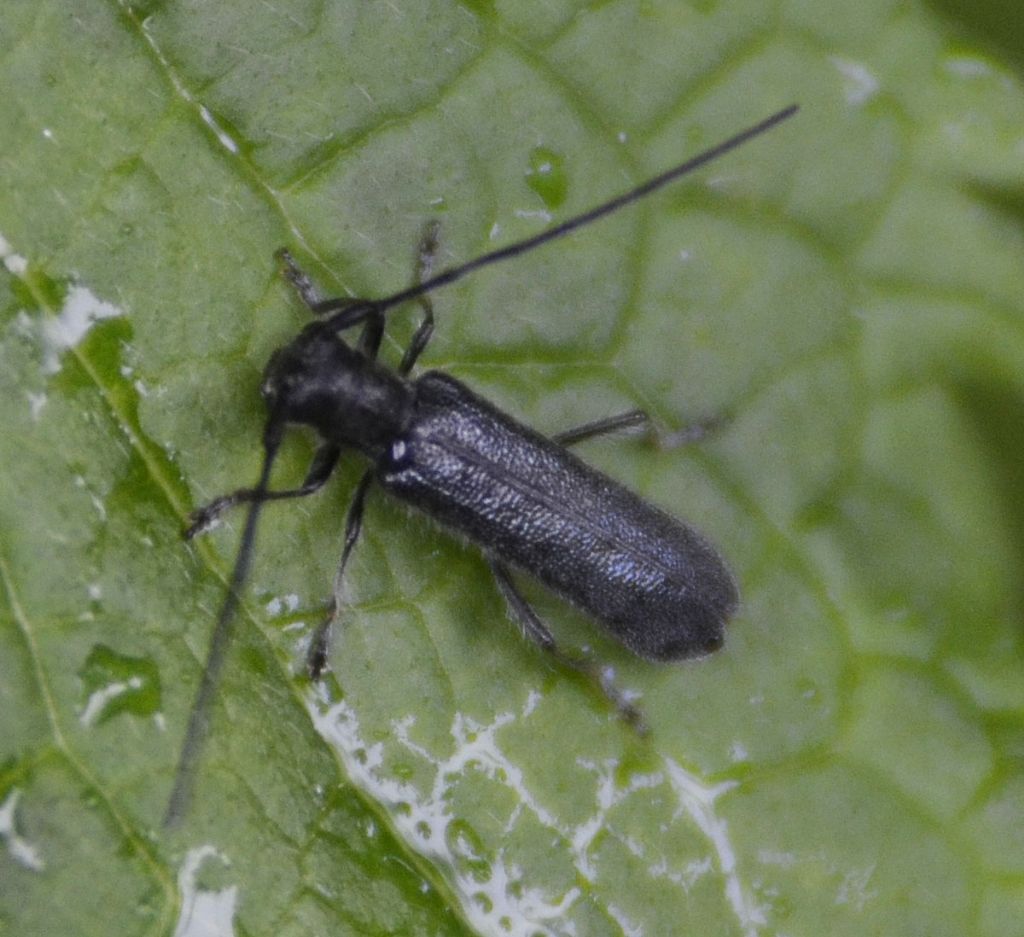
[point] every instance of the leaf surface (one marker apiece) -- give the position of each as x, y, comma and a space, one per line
846, 292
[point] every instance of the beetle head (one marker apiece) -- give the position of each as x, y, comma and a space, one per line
320, 381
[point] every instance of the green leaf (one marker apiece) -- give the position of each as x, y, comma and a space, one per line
846, 290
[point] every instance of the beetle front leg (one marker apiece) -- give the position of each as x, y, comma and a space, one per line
424, 268
373, 331
324, 461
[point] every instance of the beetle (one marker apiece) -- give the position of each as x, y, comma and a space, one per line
531, 505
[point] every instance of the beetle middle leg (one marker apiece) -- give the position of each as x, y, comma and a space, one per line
316, 659
632, 419
609, 424
541, 635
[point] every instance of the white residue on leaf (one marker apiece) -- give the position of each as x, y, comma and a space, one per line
690, 874
609, 795
853, 889
859, 85
968, 67
629, 929
56, 333
80, 482
497, 893
204, 913
697, 800
282, 604
20, 849
784, 860
101, 698
80, 312
739, 752
499, 903
15, 263
36, 402
529, 215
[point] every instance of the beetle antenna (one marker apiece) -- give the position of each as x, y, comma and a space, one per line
345, 314
199, 716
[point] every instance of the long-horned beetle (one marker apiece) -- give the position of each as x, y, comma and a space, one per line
531, 505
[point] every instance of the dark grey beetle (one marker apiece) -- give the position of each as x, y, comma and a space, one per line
657, 585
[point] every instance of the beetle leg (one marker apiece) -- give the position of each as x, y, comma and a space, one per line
324, 461
424, 268
610, 424
694, 432
316, 659
541, 635
373, 331
299, 280
371, 336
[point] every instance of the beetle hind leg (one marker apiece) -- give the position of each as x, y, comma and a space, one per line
535, 629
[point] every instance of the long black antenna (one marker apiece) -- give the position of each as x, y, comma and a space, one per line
347, 313
199, 717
